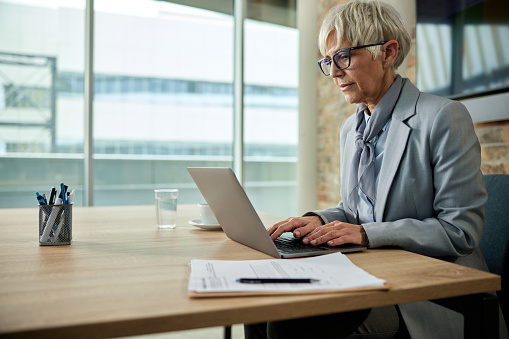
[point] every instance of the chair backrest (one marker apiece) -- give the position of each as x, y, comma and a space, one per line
495, 239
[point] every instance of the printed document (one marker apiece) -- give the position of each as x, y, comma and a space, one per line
334, 272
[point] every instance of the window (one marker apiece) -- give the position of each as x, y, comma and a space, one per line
163, 101
41, 134
271, 115
462, 47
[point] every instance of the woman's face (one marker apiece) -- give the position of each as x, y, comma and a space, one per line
366, 80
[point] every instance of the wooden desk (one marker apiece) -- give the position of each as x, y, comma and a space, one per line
123, 276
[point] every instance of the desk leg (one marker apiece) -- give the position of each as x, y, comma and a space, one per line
227, 332
480, 312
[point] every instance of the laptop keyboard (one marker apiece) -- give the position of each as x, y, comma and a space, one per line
288, 244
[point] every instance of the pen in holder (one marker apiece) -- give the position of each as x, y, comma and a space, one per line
55, 224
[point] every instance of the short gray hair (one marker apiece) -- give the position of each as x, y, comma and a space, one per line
364, 22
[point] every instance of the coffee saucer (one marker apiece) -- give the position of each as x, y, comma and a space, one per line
200, 224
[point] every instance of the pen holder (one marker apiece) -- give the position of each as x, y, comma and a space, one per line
55, 225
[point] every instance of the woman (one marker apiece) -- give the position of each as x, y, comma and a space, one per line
410, 174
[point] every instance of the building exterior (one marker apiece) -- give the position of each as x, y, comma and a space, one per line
163, 101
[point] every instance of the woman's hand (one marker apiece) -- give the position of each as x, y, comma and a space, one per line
299, 226
337, 233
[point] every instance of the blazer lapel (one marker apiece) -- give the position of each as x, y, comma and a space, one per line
395, 144
346, 160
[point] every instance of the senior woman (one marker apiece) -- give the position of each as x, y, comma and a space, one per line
410, 175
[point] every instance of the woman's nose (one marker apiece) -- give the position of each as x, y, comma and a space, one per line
335, 71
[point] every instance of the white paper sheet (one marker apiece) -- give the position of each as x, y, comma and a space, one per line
334, 271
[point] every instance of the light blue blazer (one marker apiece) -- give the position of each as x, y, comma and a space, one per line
430, 195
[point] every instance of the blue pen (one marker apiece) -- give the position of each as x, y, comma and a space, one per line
40, 198
62, 191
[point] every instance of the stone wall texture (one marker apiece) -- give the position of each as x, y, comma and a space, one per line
494, 138
333, 111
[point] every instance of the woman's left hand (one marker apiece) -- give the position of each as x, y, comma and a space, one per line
337, 233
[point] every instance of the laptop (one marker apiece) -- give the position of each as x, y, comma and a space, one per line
241, 223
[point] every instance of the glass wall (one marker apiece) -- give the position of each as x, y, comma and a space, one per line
163, 98
163, 101
462, 47
271, 115
41, 132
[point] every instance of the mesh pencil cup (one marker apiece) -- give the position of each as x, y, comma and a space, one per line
55, 225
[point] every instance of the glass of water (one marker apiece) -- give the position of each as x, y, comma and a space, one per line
166, 207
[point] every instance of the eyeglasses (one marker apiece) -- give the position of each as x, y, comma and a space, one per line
341, 58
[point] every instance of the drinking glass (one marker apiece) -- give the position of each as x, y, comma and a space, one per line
166, 207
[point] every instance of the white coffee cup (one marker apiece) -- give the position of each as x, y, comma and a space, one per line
207, 217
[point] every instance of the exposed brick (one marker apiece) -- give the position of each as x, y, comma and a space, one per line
505, 134
495, 167
499, 152
493, 134
494, 139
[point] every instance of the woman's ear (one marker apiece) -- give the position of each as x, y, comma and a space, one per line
391, 49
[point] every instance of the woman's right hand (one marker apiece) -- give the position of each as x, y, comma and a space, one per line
300, 226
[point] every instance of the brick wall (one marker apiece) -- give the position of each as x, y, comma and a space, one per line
494, 138
332, 112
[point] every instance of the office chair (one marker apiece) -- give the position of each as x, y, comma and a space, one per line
495, 239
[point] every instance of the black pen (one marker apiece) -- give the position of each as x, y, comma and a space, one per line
52, 196
276, 281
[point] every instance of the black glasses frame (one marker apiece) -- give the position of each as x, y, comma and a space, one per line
329, 61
